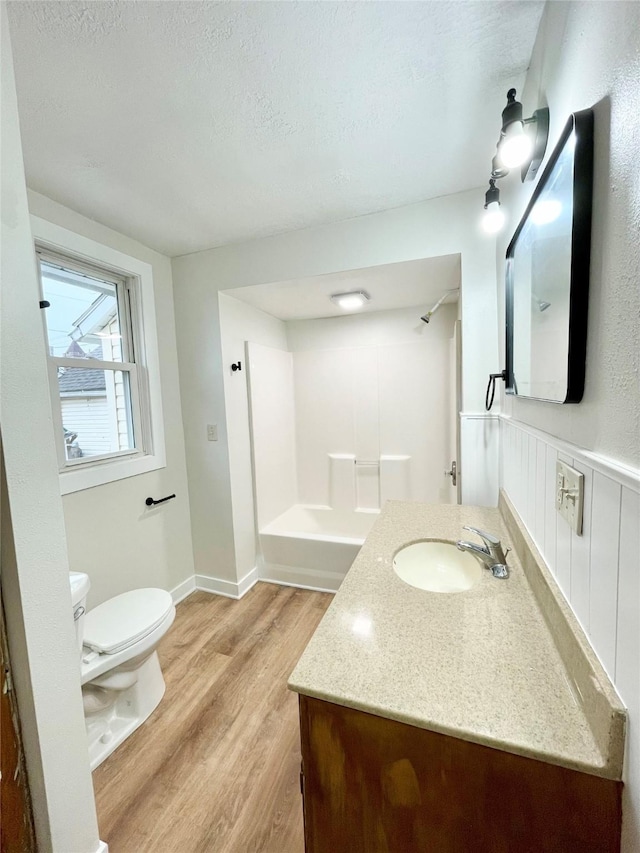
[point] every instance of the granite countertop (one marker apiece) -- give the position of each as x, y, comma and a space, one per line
480, 665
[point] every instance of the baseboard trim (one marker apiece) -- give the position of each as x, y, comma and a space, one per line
623, 474
228, 589
248, 581
280, 575
180, 592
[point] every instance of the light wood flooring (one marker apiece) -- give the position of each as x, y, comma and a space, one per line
216, 767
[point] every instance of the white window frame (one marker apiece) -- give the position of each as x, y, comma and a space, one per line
126, 298
56, 244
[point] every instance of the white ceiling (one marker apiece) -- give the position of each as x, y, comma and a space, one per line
404, 285
189, 125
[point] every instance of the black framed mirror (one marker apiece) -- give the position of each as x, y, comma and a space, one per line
547, 275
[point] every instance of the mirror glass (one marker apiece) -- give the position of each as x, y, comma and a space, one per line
548, 276
542, 268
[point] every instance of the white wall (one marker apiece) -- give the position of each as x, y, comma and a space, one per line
111, 535
35, 581
447, 225
377, 328
588, 55
372, 386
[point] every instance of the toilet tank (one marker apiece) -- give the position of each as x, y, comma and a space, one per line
80, 584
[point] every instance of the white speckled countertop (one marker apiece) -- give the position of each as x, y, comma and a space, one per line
480, 665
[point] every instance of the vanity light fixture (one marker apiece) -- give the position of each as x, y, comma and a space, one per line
522, 143
351, 301
493, 219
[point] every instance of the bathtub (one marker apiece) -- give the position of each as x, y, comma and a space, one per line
313, 547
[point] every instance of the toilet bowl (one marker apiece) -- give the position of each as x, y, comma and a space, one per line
120, 673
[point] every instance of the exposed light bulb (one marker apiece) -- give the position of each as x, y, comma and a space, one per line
546, 211
516, 147
493, 218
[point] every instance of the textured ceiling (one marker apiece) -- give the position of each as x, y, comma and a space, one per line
404, 285
189, 125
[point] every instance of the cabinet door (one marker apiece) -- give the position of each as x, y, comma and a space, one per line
373, 785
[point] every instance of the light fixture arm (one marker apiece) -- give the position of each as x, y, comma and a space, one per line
497, 169
540, 127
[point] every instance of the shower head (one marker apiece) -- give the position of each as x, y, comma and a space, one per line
427, 317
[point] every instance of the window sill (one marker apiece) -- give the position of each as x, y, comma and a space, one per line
100, 474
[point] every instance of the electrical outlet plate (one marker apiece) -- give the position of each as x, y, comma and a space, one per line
212, 432
570, 495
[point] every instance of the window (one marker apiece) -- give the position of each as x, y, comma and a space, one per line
92, 361
102, 361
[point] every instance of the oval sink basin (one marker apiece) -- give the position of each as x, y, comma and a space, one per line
437, 567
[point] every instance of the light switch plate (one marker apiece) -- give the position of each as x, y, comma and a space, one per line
570, 495
212, 432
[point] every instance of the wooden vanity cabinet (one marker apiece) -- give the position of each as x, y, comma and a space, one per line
372, 785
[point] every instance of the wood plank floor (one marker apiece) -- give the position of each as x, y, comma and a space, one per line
216, 767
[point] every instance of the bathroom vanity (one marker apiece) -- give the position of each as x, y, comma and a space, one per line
469, 722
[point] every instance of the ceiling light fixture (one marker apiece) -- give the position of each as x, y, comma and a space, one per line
351, 301
522, 143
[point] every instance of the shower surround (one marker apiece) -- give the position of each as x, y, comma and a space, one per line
338, 430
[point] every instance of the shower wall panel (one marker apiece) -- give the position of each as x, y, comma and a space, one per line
415, 415
380, 411
273, 430
324, 382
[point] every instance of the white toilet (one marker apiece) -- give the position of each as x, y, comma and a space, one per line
121, 679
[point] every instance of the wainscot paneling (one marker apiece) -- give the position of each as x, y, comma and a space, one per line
599, 570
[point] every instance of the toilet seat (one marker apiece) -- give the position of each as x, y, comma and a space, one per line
94, 664
124, 620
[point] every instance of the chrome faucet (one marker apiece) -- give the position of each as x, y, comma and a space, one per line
492, 555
